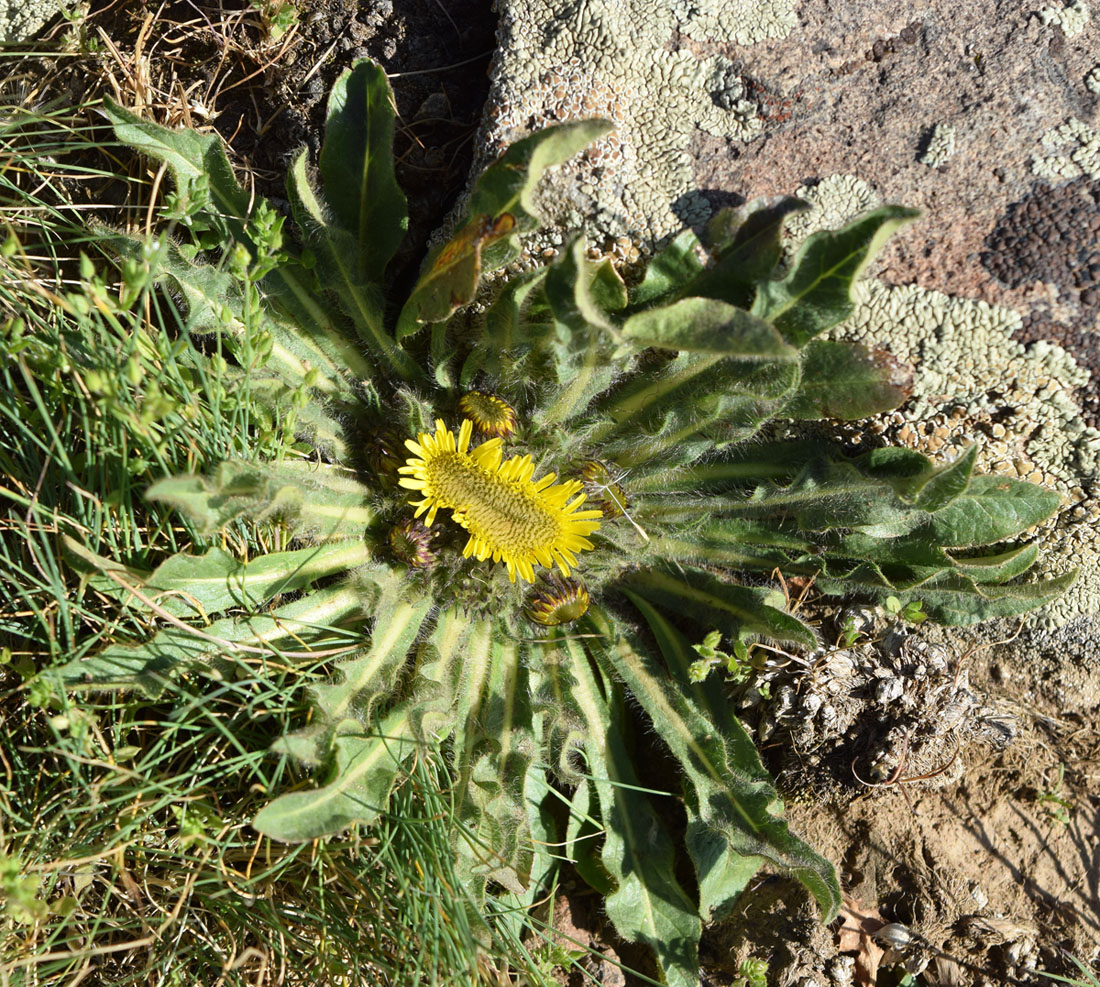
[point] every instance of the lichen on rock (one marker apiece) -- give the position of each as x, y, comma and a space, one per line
1081, 154
1071, 18
620, 59
940, 145
22, 19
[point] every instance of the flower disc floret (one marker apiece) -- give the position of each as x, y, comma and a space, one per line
511, 517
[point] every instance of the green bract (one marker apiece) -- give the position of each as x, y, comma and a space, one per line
647, 395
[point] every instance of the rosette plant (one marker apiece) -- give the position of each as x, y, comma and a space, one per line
534, 495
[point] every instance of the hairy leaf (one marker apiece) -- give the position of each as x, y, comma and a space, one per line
747, 244
319, 502
847, 381
737, 611
957, 600
501, 206
451, 273
704, 325
648, 904
673, 268
306, 625
733, 808
991, 509
816, 293
356, 167
342, 270
366, 763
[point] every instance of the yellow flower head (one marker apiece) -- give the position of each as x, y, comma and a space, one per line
556, 601
510, 517
491, 416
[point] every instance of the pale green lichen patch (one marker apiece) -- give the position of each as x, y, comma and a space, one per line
744, 22
1071, 18
833, 201
618, 59
1073, 151
1092, 80
21, 19
940, 146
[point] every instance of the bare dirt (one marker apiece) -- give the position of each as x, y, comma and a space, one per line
980, 875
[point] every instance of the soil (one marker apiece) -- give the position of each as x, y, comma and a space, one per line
980, 875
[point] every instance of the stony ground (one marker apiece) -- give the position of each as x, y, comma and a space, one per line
957, 786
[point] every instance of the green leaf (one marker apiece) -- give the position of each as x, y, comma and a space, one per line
216, 581
517, 320
704, 325
201, 170
197, 163
339, 268
491, 802
321, 502
733, 809
737, 611
648, 904
365, 758
200, 585
302, 626
992, 509
956, 600
508, 184
579, 352
365, 765
816, 293
451, 273
998, 568
674, 267
939, 487
501, 206
357, 169
747, 245
847, 381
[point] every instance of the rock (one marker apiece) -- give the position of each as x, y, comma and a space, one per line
20, 20
987, 116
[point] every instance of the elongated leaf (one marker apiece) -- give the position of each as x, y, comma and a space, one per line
580, 349
704, 325
939, 487
341, 270
201, 585
508, 184
356, 166
816, 293
957, 600
847, 381
321, 502
197, 163
216, 581
365, 757
674, 267
366, 764
733, 808
451, 273
304, 625
500, 208
1000, 567
737, 611
202, 173
582, 839
747, 244
491, 801
992, 509
648, 904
